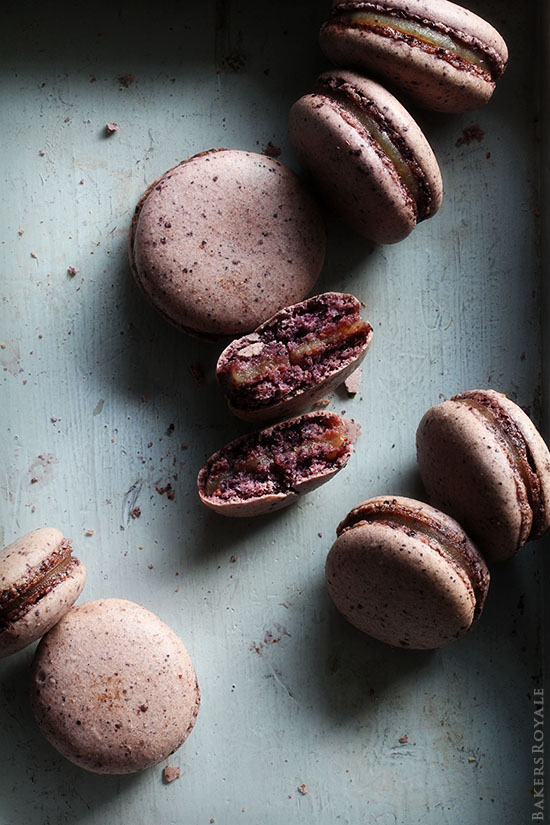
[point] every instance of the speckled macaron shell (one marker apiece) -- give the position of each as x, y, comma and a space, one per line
391, 575
293, 402
113, 688
270, 502
469, 470
427, 77
354, 176
26, 565
225, 239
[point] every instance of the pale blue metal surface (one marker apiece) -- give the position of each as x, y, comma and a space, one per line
99, 399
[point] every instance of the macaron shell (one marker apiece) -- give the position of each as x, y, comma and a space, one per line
397, 588
45, 613
113, 688
23, 559
428, 80
207, 238
466, 473
353, 175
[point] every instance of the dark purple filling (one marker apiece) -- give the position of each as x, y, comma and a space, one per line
273, 461
330, 324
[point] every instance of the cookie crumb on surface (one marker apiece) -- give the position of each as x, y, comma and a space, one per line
89, 532
111, 128
302, 789
469, 133
404, 739
72, 271
126, 80
353, 381
170, 772
271, 150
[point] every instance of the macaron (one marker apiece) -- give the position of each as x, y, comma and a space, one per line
270, 469
113, 688
222, 241
482, 460
39, 581
294, 358
369, 159
441, 55
406, 574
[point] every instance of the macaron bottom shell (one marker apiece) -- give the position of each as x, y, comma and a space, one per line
113, 688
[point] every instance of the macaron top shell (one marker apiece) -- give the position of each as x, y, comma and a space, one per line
113, 687
444, 56
225, 239
39, 581
406, 574
482, 460
368, 156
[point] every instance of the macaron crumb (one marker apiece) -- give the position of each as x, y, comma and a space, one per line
353, 382
170, 773
89, 532
126, 80
72, 271
403, 739
271, 150
470, 133
111, 128
303, 789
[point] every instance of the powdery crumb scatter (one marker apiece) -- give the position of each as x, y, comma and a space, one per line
469, 133
271, 150
170, 773
126, 80
111, 128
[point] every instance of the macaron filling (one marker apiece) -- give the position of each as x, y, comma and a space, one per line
517, 450
452, 545
15, 601
392, 148
275, 460
463, 51
294, 352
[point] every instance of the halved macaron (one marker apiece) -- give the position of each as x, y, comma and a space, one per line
443, 56
482, 460
39, 581
269, 469
368, 157
406, 574
294, 358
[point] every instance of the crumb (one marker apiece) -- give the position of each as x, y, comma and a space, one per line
143, 399
403, 739
320, 534
72, 271
302, 789
111, 128
89, 532
93, 78
2, 346
34, 480
53, 419
170, 772
323, 402
234, 559
169, 490
271, 150
41, 152
197, 372
81, 181
469, 133
20, 231
212, 820
126, 80
136, 512
353, 382
150, 566
34, 255
472, 759
184, 445
67, 119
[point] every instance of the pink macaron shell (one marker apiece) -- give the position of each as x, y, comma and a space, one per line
354, 177
43, 615
398, 583
113, 688
428, 79
225, 239
467, 471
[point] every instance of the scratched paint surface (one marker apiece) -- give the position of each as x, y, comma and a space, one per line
107, 414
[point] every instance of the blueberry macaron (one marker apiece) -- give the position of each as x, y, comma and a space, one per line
294, 358
225, 239
482, 460
443, 56
113, 688
406, 574
39, 581
369, 159
270, 469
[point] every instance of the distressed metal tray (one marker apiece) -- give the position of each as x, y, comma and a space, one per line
103, 407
